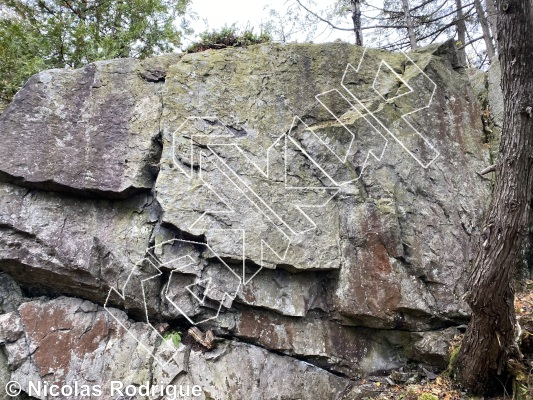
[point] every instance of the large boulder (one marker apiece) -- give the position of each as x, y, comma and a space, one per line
315, 201
238, 170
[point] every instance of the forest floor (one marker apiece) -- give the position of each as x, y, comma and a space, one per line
422, 384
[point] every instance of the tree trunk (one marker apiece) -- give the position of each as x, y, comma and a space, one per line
492, 17
490, 338
410, 24
356, 18
461, 31
487, 37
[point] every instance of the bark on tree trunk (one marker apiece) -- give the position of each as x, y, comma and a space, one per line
489, 340
410, 24
461, 31
356, 18
487, 37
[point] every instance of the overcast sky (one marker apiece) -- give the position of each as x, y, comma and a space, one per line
218, 12
253, 13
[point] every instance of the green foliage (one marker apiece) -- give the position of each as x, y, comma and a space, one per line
38, 34
21, 55
174, 336
427, 396
454, 353
228, 36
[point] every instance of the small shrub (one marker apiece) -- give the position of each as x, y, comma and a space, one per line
227, 37
174, 336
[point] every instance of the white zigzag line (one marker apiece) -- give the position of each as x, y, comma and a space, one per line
122, 295
266, 175
295, 143
425, 166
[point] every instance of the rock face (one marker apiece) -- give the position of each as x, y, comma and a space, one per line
91, 346
313, 205
93, 130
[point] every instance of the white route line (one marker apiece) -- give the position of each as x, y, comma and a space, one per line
337, 184
255, 199
426, 141
122, 294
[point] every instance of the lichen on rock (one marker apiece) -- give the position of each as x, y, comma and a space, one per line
236, 187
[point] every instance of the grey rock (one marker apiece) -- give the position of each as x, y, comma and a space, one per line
400, 276
289, 294
11, 296
433, 348
4, 376
69, 340
352, 351
92, 130
206, 221
258, 374
91, 347
69, 245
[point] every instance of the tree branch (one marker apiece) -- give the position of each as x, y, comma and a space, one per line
323, 19
490, 168
470, 42
384, 27
445, 15
74, 10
